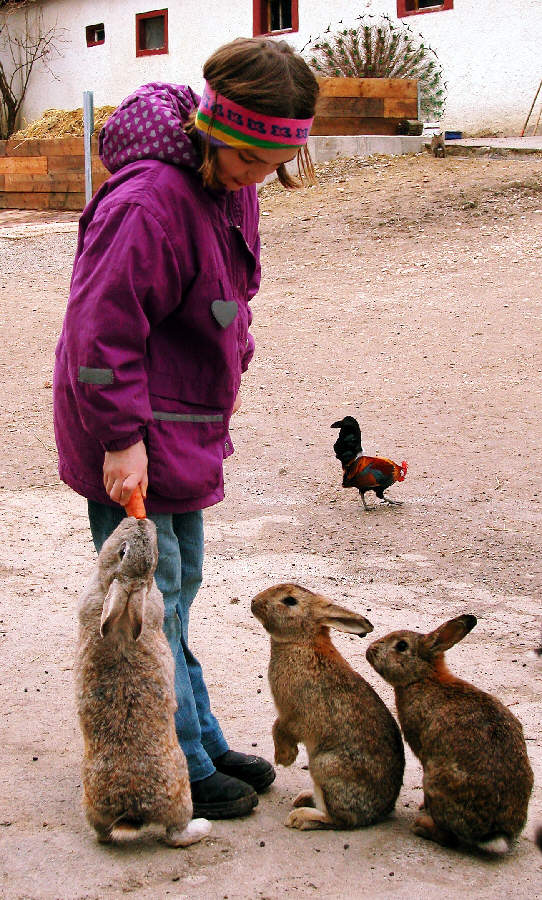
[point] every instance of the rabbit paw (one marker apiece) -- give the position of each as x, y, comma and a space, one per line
103, 835
285, 754
426, 827
305, 798
285, 744
305, 818
194, 831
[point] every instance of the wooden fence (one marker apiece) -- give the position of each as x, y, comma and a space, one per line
47, 174
364, 105
50, 174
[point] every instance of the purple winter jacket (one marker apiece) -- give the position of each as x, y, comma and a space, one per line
155, 336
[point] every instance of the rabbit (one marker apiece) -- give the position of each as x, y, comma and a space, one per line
354, 745
438, 147
477, 778
134, 771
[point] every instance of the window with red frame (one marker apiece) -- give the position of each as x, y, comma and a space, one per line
95, 35
275, 16
416, 7
151, 33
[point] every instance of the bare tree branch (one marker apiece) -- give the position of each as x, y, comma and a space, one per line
21, 49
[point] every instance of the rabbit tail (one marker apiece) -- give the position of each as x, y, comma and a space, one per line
497, 845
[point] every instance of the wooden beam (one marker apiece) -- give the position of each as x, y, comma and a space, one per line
44, 183
356, 125
13, 165
22, 148
400, 109
65, 146
338, 107
400, 88
31, 200
74, 164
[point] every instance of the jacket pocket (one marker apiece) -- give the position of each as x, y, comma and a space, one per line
185, 446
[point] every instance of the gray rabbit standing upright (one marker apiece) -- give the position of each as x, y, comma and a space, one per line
134, 771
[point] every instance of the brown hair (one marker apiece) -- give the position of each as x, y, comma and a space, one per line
268, 77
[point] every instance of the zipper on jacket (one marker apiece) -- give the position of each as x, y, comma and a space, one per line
229, 205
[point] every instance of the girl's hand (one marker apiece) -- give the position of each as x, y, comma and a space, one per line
236, 404
123, 470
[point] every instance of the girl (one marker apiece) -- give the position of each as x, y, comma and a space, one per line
155, 337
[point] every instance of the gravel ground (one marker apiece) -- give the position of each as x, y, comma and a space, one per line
403, 291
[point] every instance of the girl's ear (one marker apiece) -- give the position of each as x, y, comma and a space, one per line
445, 636
342, 619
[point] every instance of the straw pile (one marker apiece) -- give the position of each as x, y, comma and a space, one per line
56, 123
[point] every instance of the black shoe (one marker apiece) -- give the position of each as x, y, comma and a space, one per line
220, 797
251, 769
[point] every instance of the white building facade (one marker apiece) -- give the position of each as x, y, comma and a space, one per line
490, 52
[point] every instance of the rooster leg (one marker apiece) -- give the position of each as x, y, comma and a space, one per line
392, 502
365, 505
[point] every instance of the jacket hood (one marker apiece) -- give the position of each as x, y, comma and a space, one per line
149, 125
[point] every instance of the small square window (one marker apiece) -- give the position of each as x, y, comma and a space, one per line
95, 34
275, 16
151, 33
416, 7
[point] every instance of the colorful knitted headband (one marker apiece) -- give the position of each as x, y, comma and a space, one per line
226, 124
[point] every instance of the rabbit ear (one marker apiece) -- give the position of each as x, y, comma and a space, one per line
342, 619
114, 606
447, 635
120, 602
136, 606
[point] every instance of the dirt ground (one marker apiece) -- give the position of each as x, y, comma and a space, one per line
403, 291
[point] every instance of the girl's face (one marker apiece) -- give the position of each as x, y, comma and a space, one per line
238, 168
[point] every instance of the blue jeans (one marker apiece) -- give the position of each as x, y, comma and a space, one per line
178, 575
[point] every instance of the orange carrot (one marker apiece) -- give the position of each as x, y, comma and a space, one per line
135, 506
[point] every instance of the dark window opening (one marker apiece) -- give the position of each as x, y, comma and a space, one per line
95, 34
151, 33
280, 15
275, 16
417, 7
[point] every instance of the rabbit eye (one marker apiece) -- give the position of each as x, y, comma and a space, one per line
289, 601
401, 646
122, 551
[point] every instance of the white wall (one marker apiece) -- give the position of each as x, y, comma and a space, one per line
490, 51
112, 70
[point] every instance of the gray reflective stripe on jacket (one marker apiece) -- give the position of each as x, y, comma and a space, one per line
88, 375
185, 417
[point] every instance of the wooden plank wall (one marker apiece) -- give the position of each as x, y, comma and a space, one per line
364, 105
50, 174
47, 174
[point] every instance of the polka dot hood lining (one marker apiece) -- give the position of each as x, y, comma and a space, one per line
149, 125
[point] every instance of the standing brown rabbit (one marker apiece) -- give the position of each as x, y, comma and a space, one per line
354, 745
477, 779
134, 771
